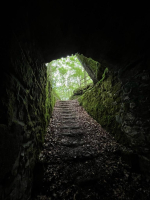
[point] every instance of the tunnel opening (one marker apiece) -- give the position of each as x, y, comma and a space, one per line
103, 102
108, 102
112, 102
66, 75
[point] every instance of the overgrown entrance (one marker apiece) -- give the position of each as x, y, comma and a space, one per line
68, 74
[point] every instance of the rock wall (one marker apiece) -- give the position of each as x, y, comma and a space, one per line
120, 103
25, 107
93, 68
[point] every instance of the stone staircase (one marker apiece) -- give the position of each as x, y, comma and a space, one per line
68, 122
79, 159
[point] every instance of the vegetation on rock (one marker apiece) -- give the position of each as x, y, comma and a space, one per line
80, 91
103, 102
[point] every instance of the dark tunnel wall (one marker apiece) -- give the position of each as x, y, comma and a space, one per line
38, 32
25, 107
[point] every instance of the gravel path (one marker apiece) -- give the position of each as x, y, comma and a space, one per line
80, 161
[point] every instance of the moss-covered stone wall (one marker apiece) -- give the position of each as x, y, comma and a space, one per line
120, 103
103, 102
26, 104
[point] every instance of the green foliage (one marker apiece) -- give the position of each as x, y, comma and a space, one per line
65, 75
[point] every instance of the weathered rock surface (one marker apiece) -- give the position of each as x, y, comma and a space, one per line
25, 107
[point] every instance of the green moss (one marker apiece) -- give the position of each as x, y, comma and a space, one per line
81, 90
51, 97
103, 76
102, 102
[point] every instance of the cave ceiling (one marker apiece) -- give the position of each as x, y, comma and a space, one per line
105, 31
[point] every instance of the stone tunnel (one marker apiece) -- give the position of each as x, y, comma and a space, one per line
35, 33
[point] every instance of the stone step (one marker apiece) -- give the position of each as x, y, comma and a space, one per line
69, 134
76, 131
72, 144
67, 124
65, 103
67, 114
69, 121
62, 103
69, 117
70, 127
66, 111
63, 108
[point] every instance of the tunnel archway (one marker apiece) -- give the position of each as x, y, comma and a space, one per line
117, 37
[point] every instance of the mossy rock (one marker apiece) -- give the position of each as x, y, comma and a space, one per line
101, 103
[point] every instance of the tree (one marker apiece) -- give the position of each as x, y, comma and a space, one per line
66, 75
